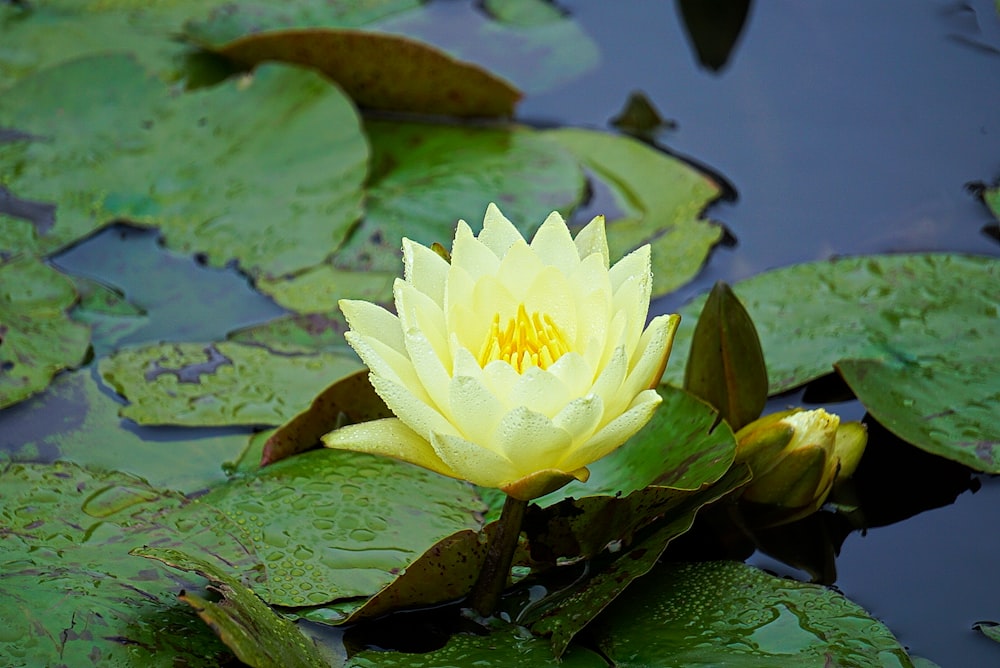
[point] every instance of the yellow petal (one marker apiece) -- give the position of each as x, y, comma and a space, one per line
574, 372
518, 270
425, 270
542, 391
581, 417
474, 409
388, 437
371, 320
498, 233
593, 239
616, 432
419, 415
469, 254
530, 440
653, 351
384, 361
553, 244
473, 463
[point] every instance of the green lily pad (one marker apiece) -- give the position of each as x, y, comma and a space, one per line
258, 635
188, 163
73, 595
727, 613
218, 384
37, 337
913, 335
329, 525
297, 333
989, 629
683, 446
68, 420
523, 12
576, 608
319, 288
501, 649
424, 178
662, 199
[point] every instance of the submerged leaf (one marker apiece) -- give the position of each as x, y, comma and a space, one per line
218, 384
662, 199
37, 337
188, 163
913, 335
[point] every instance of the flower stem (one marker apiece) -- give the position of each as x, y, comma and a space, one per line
499, 555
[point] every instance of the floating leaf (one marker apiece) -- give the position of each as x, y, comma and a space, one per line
297, 333
319, 288
349, 400
662, 198
384, 72
726, 364
727, 613
188, 163
500, 649
427, 177
913, 335
588, 598
218, 384
258, 635
989, 629
75, 420
37, 337
329, 525
73, 595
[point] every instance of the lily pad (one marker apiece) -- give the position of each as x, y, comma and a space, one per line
218, 384
82, 425
329, 525
297, 333
319, 288
73, 595
189, 163
727, 613
37, 337
500, 649
913, 335
258, 635
662, 198
424, 178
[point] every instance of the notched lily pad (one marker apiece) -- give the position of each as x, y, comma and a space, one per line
728, 613
258, 635
384, 72
914, 336
662, 198
188, 163
37, 337
218, 384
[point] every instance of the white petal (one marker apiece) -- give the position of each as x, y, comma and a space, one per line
475, 411
498, 232
473, 463
616, 432
388, 437
553, 244
593, 239
531, 441
425, 270
374, 321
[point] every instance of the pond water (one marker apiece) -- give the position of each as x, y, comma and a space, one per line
843, 128
840, 128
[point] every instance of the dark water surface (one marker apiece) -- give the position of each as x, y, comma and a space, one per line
845, 127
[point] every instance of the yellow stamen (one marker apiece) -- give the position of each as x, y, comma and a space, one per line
524, 342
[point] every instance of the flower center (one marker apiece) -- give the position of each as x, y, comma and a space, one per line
524, 342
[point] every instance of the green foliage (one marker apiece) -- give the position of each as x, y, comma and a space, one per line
37, 338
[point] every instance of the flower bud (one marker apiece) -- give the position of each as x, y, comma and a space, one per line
797, 457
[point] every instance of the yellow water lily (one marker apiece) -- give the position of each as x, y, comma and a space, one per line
516, 364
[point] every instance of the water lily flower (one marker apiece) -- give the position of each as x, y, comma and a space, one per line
798, 456
516, 364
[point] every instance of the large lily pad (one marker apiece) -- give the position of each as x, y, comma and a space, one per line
298, 333
37, 337
727, 613
258, 635
329, 525
426, 177
662, 199
218, 384
188, 163
75, 420
913, 335
73, 595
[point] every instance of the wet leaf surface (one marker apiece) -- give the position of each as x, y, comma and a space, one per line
501, 649
73, 595
662, 199
297, 333
319, 288
218, 384
37, 337
424, 178
188, 163
329, 525
258, 635
86, 429
728, 613
913, 335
